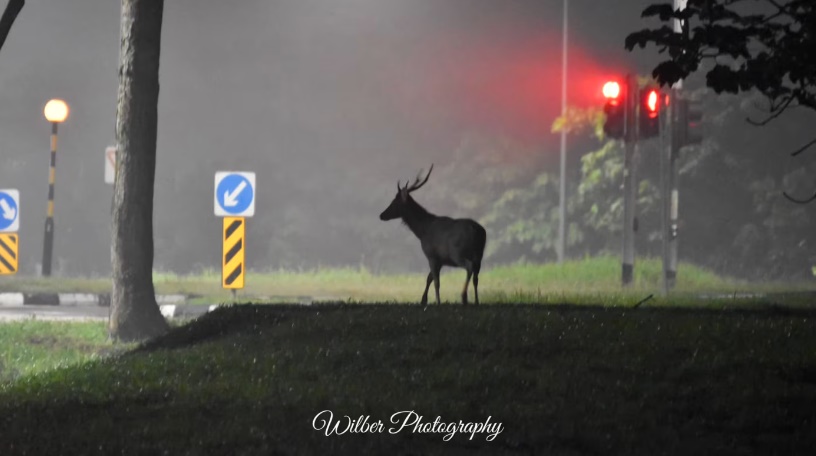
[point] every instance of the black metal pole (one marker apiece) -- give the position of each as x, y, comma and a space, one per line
48, 240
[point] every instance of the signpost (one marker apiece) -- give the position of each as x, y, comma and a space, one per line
234, 200
9, 225
234, 194
9, 210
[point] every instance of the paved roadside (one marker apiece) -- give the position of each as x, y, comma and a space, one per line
81, 312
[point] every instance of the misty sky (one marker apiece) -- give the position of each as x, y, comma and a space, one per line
365, 91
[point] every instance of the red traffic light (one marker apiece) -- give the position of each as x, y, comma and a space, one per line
611, 90
649, 112
651, 103
615, 109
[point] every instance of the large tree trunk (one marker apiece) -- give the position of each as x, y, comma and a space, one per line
134, 313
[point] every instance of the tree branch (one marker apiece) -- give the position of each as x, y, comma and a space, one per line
798, 201
802, 149
776, 111
781, 9
9, 15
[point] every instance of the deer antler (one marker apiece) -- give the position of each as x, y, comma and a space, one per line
417, 184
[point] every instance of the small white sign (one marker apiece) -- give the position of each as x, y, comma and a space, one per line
9, 210
234, 193
110, 164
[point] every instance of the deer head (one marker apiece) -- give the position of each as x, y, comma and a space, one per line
403, 198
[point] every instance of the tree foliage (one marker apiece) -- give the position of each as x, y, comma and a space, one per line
733, 219
579, 120
764, 45
523, 219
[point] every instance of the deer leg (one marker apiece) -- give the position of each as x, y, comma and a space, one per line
427, 286
476, 284
435, 272
464, 290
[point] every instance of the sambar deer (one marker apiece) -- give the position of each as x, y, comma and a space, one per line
445, 241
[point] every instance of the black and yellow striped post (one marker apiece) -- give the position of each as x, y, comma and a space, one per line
232, 261
48, 241
9, 253
56, 111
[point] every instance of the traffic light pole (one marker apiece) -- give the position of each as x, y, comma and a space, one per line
630, 182
562, 181
670, 262
668, 169
629, 218
665, 148
670, 193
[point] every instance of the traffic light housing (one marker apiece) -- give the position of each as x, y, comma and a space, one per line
689, 123
615, 110
649, 112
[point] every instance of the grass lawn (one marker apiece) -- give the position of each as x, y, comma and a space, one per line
30, 347
588, 280
561, 380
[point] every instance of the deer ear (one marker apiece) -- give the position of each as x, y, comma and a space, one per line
403, 193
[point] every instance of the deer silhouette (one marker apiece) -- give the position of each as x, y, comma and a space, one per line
445, 241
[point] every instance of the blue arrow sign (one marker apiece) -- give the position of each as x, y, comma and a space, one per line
9, 213
235, 193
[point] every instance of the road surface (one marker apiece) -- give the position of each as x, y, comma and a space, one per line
86, 312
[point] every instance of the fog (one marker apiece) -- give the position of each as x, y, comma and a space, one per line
328, 102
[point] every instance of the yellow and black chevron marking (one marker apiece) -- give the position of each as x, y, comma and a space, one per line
232, 264
8, 253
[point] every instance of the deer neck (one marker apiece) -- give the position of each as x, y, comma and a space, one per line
417, 219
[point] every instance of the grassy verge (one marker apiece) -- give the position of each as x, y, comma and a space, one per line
561, 380
32, 347
586, 280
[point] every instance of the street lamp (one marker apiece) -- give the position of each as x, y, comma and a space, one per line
562, 184
56, 111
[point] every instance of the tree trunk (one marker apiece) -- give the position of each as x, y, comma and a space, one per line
134, 313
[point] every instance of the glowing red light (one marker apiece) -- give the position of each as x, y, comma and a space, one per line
651, 100
611, 90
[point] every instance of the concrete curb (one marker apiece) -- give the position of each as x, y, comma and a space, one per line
74, 299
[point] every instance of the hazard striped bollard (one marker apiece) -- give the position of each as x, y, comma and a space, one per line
232, 261
9, 263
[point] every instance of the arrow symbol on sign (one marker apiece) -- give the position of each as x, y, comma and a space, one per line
8, 212
230, 198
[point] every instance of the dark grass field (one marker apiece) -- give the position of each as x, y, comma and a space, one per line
561, 380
